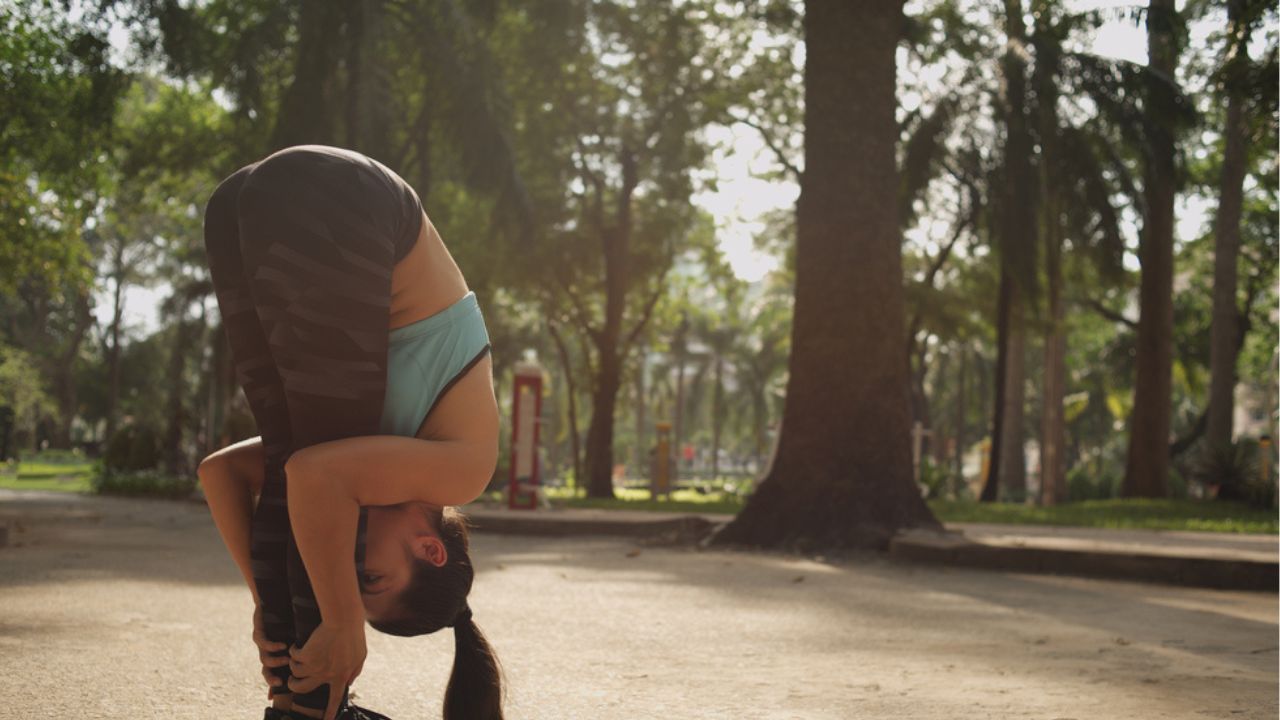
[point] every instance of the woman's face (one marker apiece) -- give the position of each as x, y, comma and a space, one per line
396, 538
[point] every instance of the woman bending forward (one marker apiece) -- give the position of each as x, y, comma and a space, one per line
365, 361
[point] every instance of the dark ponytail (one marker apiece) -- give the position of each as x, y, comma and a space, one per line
437, 598
475, 686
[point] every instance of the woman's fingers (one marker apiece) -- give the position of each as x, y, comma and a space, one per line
273, 661
272, 679
264, 644
305, 685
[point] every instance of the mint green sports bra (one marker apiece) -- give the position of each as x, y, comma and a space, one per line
425, 358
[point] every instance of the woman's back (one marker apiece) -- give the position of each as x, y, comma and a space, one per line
424, 283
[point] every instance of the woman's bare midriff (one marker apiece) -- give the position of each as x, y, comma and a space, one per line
423, 283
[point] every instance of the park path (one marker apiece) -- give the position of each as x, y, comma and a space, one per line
115, 608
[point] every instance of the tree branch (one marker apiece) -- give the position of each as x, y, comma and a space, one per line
770, 143
648, 312
1108, 313
581, 317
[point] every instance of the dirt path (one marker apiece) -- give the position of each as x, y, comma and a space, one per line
127, 609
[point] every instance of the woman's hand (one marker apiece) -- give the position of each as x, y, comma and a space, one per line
265, 650
333, 655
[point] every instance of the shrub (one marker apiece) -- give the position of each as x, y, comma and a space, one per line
933, 477
1087, 482
146, 483
1234, 469
132, 448
57, 457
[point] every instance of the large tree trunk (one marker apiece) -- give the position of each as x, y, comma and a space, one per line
306, 112
717, 416
677, 428
960, 425
1224, 330
65, 372
1147, 468
641, 451
571, 391
1053, 429
604, 397
841, 475
991, 483
1018, 248
369, 98
1013, 463
175, 459
113, 351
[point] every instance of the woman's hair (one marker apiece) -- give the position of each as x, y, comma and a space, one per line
437, 598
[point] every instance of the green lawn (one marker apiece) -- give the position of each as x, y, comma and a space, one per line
1205, 516
1196, 515
37, 475
1193, 515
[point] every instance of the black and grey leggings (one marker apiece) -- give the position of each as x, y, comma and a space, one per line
301, 248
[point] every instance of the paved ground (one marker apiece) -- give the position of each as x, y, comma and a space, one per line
130, 609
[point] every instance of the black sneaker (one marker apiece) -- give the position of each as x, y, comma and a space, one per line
355, 712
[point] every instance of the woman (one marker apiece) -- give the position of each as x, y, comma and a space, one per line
364, 358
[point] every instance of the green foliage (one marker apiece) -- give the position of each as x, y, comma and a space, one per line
1086, 482
22, 388
140, 483
59, 470
934, 477
1234, 470
1192, 515
60, 93
134, 448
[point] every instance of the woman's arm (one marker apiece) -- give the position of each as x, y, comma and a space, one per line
232, 477
329, 482
388, 469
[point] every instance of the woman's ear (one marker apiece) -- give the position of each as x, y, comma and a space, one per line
430, 548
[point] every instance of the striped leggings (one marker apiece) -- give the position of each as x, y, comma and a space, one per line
301, 247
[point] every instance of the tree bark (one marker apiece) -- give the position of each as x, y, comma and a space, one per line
1018, 249
1053, 429
1224, 330
1147, 467
113, 351
1013, 463
991, 483
677, 428
65, 375
960, 425
841, 475
306, 113
599, 451
566, 365
369, 99
175, 459
717, 416
641, 451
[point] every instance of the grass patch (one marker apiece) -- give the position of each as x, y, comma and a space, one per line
141, 483
690, 501
1188, 515
1193, 515
42, 475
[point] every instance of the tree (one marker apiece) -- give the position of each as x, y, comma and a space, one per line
1147, 466
841, 475
619, 107
1242, 16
